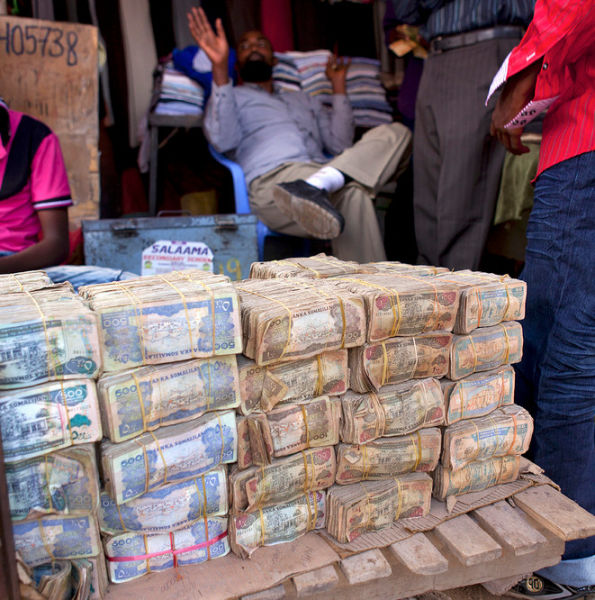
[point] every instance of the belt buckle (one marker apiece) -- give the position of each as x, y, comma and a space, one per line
433, 46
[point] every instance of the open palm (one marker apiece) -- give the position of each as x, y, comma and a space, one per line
213, 42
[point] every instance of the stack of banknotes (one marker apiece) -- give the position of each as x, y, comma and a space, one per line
320, 266
26, 281
165, 318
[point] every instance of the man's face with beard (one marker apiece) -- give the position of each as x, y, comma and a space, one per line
255, 57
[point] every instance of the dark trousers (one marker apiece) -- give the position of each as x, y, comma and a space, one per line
457, 164
556, 378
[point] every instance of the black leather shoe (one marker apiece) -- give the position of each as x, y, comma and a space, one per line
310, 208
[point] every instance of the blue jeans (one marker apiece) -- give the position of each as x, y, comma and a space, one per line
556, 378
83, 274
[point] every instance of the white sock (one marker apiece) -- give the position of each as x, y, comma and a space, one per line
327, 178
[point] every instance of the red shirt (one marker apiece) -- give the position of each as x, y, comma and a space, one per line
32, 178
563, 33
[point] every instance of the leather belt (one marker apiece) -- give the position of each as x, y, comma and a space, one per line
450, 42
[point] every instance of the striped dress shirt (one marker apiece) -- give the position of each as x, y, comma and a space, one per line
562, 35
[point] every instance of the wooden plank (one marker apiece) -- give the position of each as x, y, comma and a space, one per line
49, 70
318, 580
509, 527
468, 541
419, 555
365, 566
556, 512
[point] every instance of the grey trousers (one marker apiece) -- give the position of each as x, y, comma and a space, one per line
456, 163
382, 152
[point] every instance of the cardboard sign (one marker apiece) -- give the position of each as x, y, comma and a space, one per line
49, 71
166, 255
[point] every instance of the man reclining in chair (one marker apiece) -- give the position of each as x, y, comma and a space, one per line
279, 140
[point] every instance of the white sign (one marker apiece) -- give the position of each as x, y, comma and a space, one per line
167, 255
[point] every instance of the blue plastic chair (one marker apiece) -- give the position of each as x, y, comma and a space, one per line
240, 190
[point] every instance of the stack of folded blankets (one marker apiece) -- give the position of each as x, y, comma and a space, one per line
178, 94
49, 417
306, 71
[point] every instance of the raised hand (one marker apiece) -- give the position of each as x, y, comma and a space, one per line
336, 71
213, 42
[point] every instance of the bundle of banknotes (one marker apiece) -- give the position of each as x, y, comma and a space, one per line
386, 457
165, 318
402, 304
48, 417
399, 359
505, 431
283, 480
143, 399
390, 266
277, 524
475, 476
372, 505
287, 319
486, 299
47, 334
169, 454
393, 410
27, 281
320, 266
288, 429
477, 395
485, 348
63, 482
174, 506
131, 555
57, 537
262, 388
54, 580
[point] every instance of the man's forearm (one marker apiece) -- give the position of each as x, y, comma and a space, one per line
220, 74
46, 253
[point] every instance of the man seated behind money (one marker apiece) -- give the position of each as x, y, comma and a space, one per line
34, 199
279, 138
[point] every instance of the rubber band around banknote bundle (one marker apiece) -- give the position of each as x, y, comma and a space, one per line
289, 315
262, 527
222, 438
417, 448
44, 541
204, 515
335, 264
312, 515
507, 353
141, 402
514, 435
400, 498
15, 278
474, 349
425, 281
380, 421
146, 461
175, 552
305, 417
120, 517
477, 444
162, 457
368, 509
139, 325
306, 473
365, 464
320, 379
495, 429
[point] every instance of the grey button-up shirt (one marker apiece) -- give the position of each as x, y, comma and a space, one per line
267, 130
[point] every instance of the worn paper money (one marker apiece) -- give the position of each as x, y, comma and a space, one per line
485, 348
486, 299
146, 398
283, 480
399, 359
475, 476
131, 555
48, 417
505, 431
393, 410
165, 318
386, 457
373, 505
320, 266
26, 281
276, 524
262, 388
171, 507
56, 537
46, 335
168, 455
63, 482
478, 395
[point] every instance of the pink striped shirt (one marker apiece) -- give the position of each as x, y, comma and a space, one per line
562, 32
32, 178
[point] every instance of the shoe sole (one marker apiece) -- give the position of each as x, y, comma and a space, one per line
311, 216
